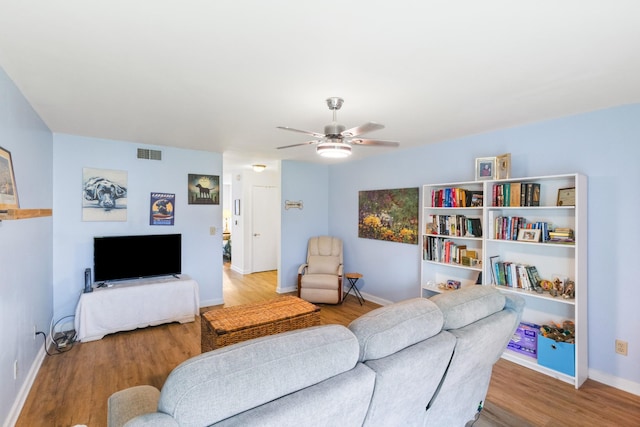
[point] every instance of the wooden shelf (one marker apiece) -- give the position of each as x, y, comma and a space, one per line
24, 213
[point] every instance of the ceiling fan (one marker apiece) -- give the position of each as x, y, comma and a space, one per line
336, 141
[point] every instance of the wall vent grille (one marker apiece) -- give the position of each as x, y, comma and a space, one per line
143, 153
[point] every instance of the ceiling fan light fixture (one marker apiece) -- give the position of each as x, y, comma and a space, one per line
258, 167
335, 150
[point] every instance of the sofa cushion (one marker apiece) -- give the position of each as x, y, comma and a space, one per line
222, 383
389, 329
469, 304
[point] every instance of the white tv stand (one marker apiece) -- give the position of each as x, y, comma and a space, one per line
132, 304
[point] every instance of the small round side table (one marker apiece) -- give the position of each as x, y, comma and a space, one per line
353, 278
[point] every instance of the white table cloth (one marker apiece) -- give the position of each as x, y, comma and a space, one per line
136, 304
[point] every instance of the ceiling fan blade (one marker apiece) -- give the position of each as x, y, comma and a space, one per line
378, 142
297, 145
362, 129
315, 134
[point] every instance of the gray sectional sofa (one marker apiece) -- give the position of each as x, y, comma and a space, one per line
413, 363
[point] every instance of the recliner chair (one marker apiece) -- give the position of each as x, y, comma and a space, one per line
320, 278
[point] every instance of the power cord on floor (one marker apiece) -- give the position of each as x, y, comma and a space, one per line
62, 343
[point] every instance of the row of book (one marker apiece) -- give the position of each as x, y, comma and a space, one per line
516, 194
508, 227
454, 225
455, 198
514, 275
449, 252
561, 235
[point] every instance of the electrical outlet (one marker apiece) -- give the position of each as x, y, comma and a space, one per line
621, 347
15, 370
35, 332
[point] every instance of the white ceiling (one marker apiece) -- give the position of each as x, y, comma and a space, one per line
220, 75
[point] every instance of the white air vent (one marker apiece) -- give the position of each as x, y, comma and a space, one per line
149, 154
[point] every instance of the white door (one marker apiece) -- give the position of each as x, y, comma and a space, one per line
264, 218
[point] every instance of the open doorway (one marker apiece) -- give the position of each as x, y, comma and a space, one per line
251, 203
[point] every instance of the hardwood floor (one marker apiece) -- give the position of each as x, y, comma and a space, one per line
73, 387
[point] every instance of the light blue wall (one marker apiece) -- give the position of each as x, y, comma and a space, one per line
308, 183
26, 297
73, 238
602, 145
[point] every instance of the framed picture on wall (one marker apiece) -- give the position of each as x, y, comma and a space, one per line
203, 189
8, 190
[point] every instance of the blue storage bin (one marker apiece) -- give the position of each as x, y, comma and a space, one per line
560, 356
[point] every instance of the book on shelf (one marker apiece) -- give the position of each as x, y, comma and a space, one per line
532, 194
515, 194
534, 276
453, 197
454, 225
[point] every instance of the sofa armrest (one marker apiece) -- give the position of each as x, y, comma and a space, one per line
302, 268
156, 419
127, 404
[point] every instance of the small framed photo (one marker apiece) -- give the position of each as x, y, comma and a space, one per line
503, 166
567, 197
529, 235
8, 190
485, 168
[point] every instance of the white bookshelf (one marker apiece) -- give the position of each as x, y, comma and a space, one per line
550, 259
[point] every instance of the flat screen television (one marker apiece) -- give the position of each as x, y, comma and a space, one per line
134, 257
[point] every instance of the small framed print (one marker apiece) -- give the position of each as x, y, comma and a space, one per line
567, 197
485, 168
8, 190
529, 235
503, 166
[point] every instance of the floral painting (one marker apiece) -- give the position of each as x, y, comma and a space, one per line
390, 215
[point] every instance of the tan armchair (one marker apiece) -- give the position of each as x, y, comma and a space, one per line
320, 279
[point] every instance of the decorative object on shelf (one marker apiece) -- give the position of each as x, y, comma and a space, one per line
236, 207
529, 235
203, 189
567, 196
258, 167
503, 166
485, 168
288, 204
8, 190
390, 215
226, 233
162, 209
104, 195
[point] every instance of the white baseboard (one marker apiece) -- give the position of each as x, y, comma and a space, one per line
615, 382
12, 419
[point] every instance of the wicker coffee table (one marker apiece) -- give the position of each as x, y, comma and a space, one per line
235, 324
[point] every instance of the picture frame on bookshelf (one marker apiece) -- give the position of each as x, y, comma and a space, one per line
529, 235
503, 166
566, 196
485, 168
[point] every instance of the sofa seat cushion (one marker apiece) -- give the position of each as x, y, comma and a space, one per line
222, 383
389, 329
467, 305
320, 281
